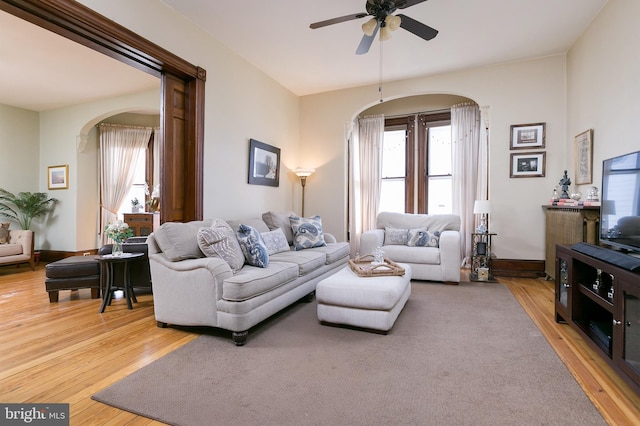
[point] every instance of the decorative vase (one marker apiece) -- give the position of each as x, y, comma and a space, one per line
116, 249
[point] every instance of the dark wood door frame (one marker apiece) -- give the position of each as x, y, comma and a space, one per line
181, 186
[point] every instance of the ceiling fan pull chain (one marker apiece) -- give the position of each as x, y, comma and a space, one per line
380, 80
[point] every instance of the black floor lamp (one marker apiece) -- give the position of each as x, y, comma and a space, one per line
303, 174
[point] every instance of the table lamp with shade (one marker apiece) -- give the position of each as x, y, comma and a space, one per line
483, 208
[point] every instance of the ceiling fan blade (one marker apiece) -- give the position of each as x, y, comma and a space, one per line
337, 20
417, 28
403, 4
367, 41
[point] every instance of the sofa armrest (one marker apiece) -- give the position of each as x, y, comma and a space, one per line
329, 238
370, 240
450, 255
166, 274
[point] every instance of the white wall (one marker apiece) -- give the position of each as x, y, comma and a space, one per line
241, 102
603, 74
19, 144
515, 93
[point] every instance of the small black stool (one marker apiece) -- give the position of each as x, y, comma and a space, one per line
72, 273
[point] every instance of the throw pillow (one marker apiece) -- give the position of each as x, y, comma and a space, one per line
280, 220
275, 241
253, 247
179, 241
307, 232
219, 240
4, 233
421, 237
396, 236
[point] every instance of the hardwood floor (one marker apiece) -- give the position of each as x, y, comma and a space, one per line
64, 352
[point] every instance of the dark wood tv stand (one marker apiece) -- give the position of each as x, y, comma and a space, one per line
602, 303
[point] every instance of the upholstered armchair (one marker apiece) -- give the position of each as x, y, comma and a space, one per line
431, 244
18, 248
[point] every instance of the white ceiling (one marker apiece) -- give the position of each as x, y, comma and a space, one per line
275, 36
40, 70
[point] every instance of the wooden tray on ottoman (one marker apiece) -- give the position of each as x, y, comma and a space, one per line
364, 267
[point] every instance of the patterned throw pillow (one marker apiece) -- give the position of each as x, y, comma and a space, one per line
253, 247
307, 232
275, 241
396, 237
219, 240
420, 237
4, 233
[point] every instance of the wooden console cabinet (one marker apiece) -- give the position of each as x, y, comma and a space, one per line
602, 303
568, 225
142, 224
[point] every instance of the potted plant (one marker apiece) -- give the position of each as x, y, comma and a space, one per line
135, 205
25, 206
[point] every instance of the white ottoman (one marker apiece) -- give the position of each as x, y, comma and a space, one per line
367, 302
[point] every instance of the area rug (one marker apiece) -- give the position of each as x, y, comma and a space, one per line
457, 355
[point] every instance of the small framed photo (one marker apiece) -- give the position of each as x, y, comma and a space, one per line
58, 177
264, 164
530, 164
583, 157
527, 136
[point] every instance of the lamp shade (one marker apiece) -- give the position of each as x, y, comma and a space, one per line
303, 172
482, 207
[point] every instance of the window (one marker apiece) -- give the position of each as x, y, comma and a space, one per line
137, 189
430, 166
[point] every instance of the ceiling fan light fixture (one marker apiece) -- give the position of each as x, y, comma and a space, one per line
392, 22
385, 33
369, 27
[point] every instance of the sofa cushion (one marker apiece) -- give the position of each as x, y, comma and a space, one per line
4, 233
307, 232
254, 222
253, 247
179, 241
333, 252
307, 260
10, 249
252, 281
406, 254
433, 222
219, 240
280, 220
396, 236
420, 237
275, 241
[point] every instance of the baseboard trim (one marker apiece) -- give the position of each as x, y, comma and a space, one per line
517, 268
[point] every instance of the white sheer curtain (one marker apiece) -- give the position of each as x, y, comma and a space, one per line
365, 176
469, 140
120, 147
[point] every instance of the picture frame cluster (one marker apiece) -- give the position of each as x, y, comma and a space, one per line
527, 137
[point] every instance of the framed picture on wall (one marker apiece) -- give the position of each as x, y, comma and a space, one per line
58, 177
264, 164
583, 157
530, 164
527, 136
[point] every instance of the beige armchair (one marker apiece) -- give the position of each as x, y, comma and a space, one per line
430, 244
18, 249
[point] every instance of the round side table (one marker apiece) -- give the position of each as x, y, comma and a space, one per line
107, 262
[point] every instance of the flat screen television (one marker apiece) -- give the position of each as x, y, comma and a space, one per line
620, 202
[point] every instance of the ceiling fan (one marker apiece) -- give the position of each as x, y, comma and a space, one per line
382, 18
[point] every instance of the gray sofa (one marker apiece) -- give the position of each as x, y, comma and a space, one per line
436, 258
190, 289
